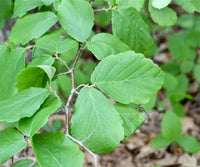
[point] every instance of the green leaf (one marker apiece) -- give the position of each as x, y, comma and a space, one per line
193, 38
130, 28
11, 142
171, 126
130, 3
182, 83
164, 17
29, 126
23, 104
57, 44
44, 59
65, 84
10, 65
2, 23
186, 21
171, 67
34, 25
104, 18
170, 82
5, 8
187, 66
55, 149
160, 3
197, 72
132, 118
36, 76
128, 77
103, 45
178, 48
37, 52
177, 108
22, 6
94, 115
23, 163
150, 105
159, 141
76, 18
189, 144
189, 5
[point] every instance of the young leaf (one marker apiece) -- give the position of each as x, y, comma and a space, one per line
5, 8
187, 66
190, 6
196, 72
103, 45
36, 76
128, 77
76, 18
44, 59
23, 104
57, 44
11, 142
171, 67
178, 48
130, 3
171, 126
29, 126
160, 4
55, 149
159, 141
104, 18
130, 28
164, 17
170, 82
177, 108
34, 25
96, 117
22, 6
132, 118
189, 144
23, 163
10, 65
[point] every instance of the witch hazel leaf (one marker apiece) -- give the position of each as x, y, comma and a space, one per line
94, 115
23, 104
128, 77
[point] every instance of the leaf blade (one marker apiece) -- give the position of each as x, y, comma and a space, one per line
103, 45
11, 142
23, 104
94, 115
81, 11
130, 28
34, 25
125, 80
10, 65
63, 152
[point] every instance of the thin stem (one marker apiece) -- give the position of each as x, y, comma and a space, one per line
82, 145
64, 73
73, 67
58, 58
54, 92
29, 47
67, 110
141, 109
